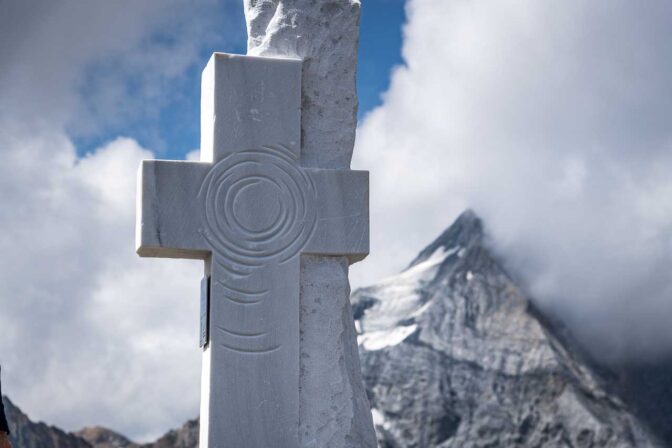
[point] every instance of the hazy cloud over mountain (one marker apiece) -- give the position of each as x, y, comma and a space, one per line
552, 120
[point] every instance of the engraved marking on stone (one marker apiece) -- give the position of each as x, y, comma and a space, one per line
259, 208
241, 334
252, 351
278, 231
233, 271
242, 302
260, 293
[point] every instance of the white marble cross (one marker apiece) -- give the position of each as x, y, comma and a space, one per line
250, 210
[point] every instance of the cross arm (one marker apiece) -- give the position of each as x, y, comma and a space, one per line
168, 209
343, 214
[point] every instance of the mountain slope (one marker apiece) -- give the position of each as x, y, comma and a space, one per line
27, 434
184, 437
100, 437
454, 355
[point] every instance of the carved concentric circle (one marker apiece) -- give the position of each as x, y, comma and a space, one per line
258, 205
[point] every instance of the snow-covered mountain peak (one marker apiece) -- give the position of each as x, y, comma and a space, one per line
455, 355
453, 275
388, 322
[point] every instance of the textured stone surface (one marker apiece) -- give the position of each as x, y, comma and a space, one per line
454, 355
251, 210
334, 408
325, 35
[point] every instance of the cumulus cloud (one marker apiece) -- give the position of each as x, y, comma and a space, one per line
97, 67
552, 120
89, 333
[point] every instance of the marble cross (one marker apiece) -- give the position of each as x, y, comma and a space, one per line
250, 209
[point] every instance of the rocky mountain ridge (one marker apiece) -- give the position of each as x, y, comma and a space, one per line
29, 434
455, 355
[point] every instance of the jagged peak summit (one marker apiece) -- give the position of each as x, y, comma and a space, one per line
467, 231
454, 354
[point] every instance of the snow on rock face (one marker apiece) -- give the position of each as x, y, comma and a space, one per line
376, 340
454, 355
383, 326
402, 294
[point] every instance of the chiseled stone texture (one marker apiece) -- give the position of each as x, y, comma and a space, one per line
334, 409
325, 34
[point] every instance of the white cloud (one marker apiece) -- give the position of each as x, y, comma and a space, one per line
101, 67
89, 333
551, 119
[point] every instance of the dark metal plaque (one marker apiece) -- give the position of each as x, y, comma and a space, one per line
205, 310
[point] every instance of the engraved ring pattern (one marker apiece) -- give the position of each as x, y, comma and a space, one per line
285, 199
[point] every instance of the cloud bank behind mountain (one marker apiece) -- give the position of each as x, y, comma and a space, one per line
553, 121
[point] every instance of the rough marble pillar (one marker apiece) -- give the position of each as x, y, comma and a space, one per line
334, 409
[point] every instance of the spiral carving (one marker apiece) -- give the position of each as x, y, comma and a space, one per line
259, 206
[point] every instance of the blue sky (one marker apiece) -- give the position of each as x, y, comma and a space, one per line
172, 128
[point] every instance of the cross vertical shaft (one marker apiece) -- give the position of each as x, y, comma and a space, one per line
251, 210
325, 35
